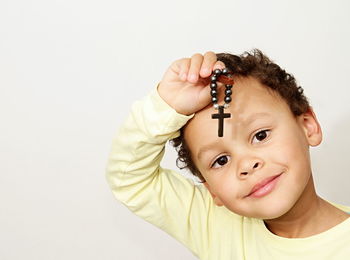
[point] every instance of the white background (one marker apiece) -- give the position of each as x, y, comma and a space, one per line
69, 72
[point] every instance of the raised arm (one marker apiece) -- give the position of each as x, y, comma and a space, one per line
160, 196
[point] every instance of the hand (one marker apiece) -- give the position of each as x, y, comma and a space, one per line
185, 85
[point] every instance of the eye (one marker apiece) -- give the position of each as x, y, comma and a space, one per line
221, 161
260, 136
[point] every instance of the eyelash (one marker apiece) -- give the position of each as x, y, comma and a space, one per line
216, 161
261, 131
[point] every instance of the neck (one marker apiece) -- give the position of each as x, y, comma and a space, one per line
309, 216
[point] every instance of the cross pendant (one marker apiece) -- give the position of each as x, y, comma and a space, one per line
220, 116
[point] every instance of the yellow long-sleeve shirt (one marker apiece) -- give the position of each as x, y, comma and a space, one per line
186, 211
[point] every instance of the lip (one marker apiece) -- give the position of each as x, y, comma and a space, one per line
268, 184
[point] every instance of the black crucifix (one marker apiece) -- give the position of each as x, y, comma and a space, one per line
221, 115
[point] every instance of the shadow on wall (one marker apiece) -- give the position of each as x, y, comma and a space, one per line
330, 163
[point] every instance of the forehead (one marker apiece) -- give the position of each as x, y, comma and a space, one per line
251, 101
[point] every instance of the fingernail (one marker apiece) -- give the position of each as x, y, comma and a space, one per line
205, 71
193, 77
220, 67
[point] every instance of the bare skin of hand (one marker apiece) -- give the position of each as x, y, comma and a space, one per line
185, 85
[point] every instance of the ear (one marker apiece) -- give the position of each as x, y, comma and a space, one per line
216, 199
311, 127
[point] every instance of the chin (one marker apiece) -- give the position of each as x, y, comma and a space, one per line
273, 210
272, 216
269, 214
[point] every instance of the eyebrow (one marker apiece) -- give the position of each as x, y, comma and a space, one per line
255, 116
204, 149
249, 120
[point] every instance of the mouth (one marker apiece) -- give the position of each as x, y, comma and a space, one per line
264, 187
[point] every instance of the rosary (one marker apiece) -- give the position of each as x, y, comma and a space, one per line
222, 76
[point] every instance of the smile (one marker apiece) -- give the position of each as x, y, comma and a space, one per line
265, 188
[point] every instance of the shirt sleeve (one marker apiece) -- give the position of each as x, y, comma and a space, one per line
160, 196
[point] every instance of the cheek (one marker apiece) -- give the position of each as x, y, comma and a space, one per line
289, 154
291, 148
293, 155
225, 185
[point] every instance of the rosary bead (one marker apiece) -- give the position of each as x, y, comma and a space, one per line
228, 86
225, 71
213, 78
217, 71
228, 92
214, 99
227, 99
213, 93
213, 85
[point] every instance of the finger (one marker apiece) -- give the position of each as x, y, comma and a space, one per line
219, 65
184, 66
215, 65
180, 68
196, 63
204, 97
208, 63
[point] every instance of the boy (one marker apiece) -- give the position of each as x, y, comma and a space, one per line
258, 200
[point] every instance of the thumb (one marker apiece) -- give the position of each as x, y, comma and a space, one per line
204, 97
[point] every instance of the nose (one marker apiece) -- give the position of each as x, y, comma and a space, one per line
249, 165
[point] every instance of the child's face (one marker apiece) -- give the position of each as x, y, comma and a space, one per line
261, 139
